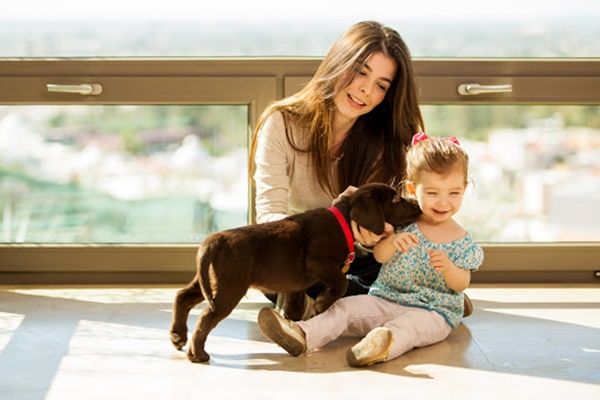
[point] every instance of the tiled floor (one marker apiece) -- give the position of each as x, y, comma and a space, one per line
112, 343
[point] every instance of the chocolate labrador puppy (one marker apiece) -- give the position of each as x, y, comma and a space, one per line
285, 256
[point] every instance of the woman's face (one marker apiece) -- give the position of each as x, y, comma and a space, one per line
367, 89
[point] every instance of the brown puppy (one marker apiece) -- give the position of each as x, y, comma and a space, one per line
285, 256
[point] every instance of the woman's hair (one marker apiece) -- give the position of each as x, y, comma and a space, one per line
437, 155
374, 148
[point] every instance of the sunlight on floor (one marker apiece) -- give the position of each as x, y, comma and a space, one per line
112, 342
8, 325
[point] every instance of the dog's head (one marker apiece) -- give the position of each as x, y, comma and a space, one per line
374, 204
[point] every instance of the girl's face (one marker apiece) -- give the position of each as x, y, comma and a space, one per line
367, 89
440, 196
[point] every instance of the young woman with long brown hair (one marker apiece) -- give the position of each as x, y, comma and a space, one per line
348, 126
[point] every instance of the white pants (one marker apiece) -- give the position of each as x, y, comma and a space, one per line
412, 326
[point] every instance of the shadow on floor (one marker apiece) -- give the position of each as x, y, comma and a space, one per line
36, 332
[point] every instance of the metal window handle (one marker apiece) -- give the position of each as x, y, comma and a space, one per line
471, 89
86, 89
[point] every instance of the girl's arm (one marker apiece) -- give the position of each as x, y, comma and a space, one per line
386, 248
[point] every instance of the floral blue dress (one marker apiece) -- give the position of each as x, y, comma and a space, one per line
408, 279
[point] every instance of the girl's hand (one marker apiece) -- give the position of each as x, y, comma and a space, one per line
456, 278
387, 248
405, 241
439, 260
366, 237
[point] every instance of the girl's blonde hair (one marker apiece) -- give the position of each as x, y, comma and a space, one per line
374, 148
437, 155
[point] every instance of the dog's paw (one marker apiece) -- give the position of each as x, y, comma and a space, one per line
178, 340
198, 356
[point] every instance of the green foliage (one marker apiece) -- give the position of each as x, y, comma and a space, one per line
139, 128
475, 122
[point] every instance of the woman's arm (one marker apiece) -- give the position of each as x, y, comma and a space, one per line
271, 173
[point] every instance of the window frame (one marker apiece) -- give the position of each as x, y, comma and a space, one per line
256, 82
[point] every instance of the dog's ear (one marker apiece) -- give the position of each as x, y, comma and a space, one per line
402, 212
367, 212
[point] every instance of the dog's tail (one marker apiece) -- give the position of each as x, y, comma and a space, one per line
204, 258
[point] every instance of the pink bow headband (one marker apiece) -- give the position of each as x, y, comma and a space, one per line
419, 137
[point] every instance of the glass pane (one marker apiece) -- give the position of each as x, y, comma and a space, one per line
121, 174
535, 170
431, 28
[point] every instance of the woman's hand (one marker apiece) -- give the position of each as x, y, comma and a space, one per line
347, 192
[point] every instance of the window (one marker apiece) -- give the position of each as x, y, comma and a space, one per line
238, 60
122, 173
531, 167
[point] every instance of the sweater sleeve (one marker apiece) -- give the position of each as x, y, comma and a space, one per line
271, 175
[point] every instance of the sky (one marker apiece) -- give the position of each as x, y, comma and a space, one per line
312, 10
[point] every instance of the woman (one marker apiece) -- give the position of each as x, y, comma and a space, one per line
349, 125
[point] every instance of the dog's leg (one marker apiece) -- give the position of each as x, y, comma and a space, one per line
336, 285
186, 299
223, 305
293, 306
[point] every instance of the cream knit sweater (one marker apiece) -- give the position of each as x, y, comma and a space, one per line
285, 179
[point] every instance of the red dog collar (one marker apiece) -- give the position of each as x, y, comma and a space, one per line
349, 237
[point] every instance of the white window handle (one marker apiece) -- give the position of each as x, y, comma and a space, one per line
471, 89
91, 89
